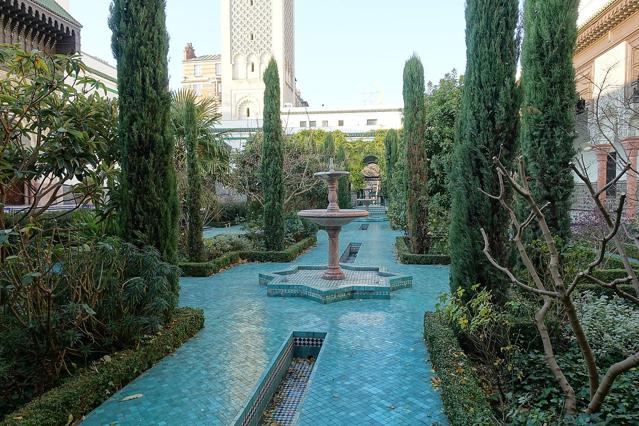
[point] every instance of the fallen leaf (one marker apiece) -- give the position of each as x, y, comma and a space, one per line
131, 397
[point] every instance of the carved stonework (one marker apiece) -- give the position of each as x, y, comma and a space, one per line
251, 27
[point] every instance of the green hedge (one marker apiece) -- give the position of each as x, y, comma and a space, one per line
206, 269
606, 275
405, 256
464, 400
83, 392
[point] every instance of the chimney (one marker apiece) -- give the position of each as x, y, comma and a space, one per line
189, 52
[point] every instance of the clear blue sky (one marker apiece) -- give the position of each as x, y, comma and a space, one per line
346, 49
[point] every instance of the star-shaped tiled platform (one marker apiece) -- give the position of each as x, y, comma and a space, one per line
361, 282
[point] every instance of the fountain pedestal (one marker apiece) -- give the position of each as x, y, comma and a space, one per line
335, 282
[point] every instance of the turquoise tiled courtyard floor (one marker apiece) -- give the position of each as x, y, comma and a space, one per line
214, 232
373, 368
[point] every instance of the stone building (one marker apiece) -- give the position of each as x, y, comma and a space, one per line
253, 32
39, 24
202, 74
607, 71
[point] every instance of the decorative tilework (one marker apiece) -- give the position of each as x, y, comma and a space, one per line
362, 282
373, 368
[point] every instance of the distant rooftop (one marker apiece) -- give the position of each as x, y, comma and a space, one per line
206, 58
54, 7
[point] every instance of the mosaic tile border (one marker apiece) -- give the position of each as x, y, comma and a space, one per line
325, 296
300, 344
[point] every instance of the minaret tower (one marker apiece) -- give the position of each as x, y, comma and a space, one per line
254, 31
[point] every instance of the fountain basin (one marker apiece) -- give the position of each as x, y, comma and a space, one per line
360, 282
328, 218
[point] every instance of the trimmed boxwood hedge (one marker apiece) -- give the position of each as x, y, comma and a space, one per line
405, 256
90, 387
464, 400
206, 269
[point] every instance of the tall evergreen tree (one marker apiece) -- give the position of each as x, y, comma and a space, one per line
488, 126
548, 111
148, 200
390, 158
417, 170
343, 192
195, 242
328, 148
273, 162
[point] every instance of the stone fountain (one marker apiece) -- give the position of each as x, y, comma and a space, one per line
335, 282
332, 219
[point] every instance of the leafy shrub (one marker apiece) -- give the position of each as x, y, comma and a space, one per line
222, 244
205, 269
536, 399
63, 307
230, 213
91, 386
464, 400
611, 325
297, 228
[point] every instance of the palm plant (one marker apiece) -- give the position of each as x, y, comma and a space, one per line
201, 159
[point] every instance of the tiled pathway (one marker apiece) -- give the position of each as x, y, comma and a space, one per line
373, 369
214, 232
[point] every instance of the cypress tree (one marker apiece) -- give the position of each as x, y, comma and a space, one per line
343, 192
548, 112
149, 206
328, 147
273, 162
487, 128
390, 158
417, 162
195, 223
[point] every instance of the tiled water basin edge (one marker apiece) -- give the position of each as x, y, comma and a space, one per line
299, 343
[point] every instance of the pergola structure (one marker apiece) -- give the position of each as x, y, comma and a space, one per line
39, 24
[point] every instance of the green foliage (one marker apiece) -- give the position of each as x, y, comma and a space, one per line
397, 208
548, 108
487, 128
222, 244
611, 325
328, 147
442, 109
149, 208
65, 306
536, 398
417, 161
407, 257
391, 145
201, 158
209, 268
273, 162
45, 100
344, 190
91, 386
464, 400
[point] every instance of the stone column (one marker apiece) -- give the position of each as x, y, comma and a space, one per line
333, 205
334, 272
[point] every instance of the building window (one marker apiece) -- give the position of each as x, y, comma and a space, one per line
611, 173
312, 124
371, 122
325, 123
252, 2
248, 112
218, 69
340, 123
252, 37
303, 124
219, 88
197, 70
252, 66
197, 89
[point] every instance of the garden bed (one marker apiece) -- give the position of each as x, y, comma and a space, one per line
205, 269
405, 256
90, 387
465, 402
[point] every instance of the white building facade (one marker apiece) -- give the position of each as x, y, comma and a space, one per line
253, 32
